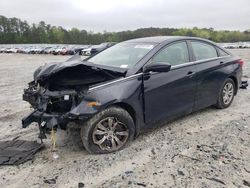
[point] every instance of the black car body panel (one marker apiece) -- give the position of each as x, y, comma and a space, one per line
63, 92
173, 95
210, 77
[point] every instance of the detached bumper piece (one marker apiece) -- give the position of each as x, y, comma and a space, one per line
46, 121
244, 85
16, 152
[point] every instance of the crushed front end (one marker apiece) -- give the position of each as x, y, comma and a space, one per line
58, 94
51, 108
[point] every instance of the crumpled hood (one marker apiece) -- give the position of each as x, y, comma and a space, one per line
50, 69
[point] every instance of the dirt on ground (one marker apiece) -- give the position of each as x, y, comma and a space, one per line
209, 148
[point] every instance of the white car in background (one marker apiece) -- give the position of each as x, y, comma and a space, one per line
245, 45
34, 50
2, 50
11, 50
87, 51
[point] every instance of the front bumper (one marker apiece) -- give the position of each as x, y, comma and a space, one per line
46, 120
55, 109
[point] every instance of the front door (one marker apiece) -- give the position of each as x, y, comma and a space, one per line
170, 93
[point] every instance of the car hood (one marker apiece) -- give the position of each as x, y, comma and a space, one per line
46, 71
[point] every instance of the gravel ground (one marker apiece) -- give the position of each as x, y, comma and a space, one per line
209, 148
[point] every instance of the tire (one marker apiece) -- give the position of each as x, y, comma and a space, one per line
221, 101
97, 134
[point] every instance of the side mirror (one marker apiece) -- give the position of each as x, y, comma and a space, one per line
158, 67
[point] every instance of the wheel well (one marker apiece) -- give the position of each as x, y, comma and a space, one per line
235, 82
128, 108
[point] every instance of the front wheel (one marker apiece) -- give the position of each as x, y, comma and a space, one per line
226, 94
108, 131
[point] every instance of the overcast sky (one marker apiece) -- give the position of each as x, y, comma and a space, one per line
117, 15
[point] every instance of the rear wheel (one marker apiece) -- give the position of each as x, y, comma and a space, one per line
226, 94
108, 131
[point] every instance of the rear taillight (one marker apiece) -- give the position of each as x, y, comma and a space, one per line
240, 62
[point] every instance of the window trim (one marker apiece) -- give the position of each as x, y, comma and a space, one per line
218, 48
197, 62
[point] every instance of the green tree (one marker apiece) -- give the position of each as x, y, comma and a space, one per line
14, 30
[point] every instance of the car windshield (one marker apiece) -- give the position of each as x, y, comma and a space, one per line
123, 55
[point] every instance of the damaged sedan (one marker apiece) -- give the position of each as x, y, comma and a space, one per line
131, 86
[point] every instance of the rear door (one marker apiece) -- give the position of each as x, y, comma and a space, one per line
170, 93
209, 76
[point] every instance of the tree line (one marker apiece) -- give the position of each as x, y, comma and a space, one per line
17, 31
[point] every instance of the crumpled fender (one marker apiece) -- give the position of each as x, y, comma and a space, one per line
127, 91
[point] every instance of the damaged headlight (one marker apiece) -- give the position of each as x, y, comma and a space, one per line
61, 104
37, 71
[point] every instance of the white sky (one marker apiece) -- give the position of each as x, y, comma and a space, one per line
117, 15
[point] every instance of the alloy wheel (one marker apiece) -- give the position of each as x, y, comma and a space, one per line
110, 134
227, 93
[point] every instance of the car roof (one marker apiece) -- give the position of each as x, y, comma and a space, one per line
160, 39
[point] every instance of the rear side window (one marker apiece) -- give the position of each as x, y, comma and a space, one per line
221, 52
174, 54
203, 50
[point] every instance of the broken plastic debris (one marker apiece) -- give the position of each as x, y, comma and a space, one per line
244, 84
55, 156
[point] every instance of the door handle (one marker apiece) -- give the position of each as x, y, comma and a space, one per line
190, 73
221, 62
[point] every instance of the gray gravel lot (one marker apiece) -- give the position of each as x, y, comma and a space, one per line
209, 148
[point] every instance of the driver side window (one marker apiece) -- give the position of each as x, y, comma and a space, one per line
174, 54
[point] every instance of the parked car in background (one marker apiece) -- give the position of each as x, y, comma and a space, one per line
80, 49
54, 50
68, 51
132, 86
97, 48
26, 50
20, 49
11, 50
63, 51
232, 46
45, 50
58, 50
86, 51
71, 51
2, 50
101, 47
244, 45
34, 50
51, 50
